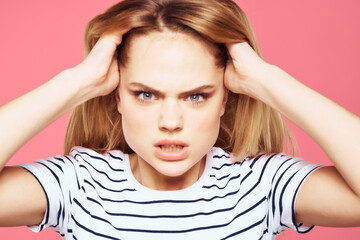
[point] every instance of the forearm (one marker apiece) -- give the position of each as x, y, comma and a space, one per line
334, 128
24, 117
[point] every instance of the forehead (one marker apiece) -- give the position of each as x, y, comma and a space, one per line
171, 57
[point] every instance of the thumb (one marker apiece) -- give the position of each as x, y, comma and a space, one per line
230, 79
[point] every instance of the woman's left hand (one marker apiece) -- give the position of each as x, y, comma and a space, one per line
333, 193
245, 70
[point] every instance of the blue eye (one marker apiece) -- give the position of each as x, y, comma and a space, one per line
195, 97
146, 96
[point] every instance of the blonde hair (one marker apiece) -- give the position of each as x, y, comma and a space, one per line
248, 126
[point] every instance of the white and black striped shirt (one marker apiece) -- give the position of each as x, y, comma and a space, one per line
93, 196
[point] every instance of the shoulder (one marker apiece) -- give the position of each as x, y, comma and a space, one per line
78, 158
254, 163
263, 164
269, 161
279, 171
86, 154
276, 161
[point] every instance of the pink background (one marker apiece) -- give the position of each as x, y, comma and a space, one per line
317, 42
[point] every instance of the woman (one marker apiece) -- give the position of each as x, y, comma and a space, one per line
170, 109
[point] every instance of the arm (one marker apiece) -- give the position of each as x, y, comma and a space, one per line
335, 129
24, 117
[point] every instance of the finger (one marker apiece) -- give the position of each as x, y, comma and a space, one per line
229, 46
229, 75
232, 46
235, 49
113, 76
114, 67
105, 48
116, 35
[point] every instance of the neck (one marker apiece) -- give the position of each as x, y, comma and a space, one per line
146, 175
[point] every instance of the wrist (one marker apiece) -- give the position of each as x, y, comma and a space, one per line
261, 84
277, 88
74, 88
82, 84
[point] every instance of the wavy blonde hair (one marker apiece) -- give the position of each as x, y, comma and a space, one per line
248, 126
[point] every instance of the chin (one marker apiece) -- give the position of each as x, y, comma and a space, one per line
173, 169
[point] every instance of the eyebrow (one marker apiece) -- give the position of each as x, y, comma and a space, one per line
161, 94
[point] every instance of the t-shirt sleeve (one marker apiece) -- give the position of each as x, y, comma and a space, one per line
57, 176
285, 175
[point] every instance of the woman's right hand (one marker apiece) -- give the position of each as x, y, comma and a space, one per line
98, 74
27, 115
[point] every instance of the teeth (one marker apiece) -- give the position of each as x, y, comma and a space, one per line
171, 148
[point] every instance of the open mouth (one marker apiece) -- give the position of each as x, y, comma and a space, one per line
171, 148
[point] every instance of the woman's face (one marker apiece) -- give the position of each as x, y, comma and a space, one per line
171, 100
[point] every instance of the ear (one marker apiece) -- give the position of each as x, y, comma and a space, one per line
225, 99
117, 97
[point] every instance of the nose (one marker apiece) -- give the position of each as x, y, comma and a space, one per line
171, 116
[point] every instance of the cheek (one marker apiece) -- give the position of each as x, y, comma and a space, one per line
136, 123
205, 125
130, 113
207, 119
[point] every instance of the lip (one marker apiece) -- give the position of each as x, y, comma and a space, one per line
171, 142
171, 156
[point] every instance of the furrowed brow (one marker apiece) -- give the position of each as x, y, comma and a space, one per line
147, 89
161, 94
198, 90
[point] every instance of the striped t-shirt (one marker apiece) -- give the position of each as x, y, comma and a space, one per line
94, 196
